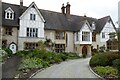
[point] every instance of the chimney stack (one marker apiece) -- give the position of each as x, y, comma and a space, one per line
63, 9
21, 2
68, 9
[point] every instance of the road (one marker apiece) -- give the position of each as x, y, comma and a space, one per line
69, 69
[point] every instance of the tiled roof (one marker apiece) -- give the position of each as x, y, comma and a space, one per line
54, 20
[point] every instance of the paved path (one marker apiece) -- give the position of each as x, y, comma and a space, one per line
69, 69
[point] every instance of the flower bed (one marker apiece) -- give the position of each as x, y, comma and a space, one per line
106, 64
34, 60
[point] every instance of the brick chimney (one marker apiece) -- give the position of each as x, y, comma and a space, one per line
68, 9
63, 9
21, 3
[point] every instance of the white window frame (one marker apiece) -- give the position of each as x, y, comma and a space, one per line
93, 26
31, 32
32, 16
9, 14
103, 35
85, 36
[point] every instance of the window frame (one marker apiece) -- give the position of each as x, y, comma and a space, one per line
32, 32
8, 31
59, 48
77, 36
32, 16
103, 35
9, 14
60, 35
85, 36
30, 45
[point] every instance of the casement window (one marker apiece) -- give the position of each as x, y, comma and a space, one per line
9, 14
60, 35
32, 17
77, 36
103, 35
8, 31
93, 36
4, 43
30, 45
93, 26
59, 48
85, 36
32, 32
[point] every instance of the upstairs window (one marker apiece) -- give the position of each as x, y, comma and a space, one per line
32, 32
77, 36
85, 36
103, 35
9, 14
93, 26
32, 17
60, 35
8, 31
93, 36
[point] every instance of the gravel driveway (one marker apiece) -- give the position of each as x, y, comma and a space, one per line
69, 69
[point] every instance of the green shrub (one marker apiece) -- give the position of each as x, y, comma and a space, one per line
103, 59
31, 63
9, 52
116, 63
3, 56
106, 71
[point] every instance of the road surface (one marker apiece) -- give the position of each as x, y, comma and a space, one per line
70, 69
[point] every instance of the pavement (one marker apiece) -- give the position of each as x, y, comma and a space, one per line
78, 68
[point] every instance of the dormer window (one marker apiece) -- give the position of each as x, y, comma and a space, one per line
9, 14
93, 25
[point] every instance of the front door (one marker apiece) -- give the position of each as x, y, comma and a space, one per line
84, 51
13, 47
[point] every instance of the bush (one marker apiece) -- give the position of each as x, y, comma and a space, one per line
103, 59
30, 63
116, 63
106, 71
9, 52
3, 55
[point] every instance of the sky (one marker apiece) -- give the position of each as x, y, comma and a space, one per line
91, 8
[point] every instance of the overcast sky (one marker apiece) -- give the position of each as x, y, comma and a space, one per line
92, 8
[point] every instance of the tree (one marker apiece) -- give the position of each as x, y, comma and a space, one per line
49, 44
118, 36
118, 39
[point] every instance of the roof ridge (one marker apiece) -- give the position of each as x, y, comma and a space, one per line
104, 17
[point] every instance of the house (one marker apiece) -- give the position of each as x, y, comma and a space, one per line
23, 27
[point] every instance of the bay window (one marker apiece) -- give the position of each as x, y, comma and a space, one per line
85, 36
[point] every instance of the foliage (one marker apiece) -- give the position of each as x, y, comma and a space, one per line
40, 58
3, 55
102, 48
116, 63
9, 52
31, 63
104, 59
41, 45
107, 71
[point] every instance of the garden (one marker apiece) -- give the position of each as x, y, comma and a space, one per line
36, 59
106, 64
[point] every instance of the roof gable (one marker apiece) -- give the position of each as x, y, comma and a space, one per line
83, 25
9, 9
33, 5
